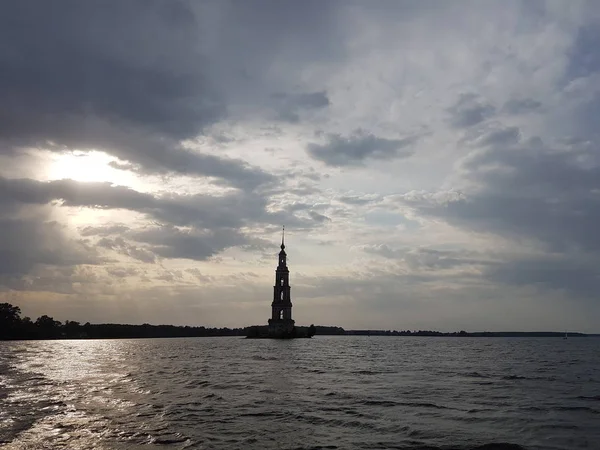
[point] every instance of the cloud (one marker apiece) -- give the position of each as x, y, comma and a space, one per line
430, 259
192, 227
317, 217
521, 106
193, 244
470, 110
123, 247
504, 136
541, 197
30, 237
358, 200
28, 242
359, 147
575, 276
291, 106
77, 66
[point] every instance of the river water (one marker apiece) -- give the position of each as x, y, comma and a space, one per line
346, 392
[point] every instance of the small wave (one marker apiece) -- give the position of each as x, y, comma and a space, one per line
577, 408
589, 397
424, 405
475, 375
514, 377
262, 414
197, 383
532, 408
264, 358
557, 426
318, 447
384, 403
335, 422
218, 397
340, 395
170, 440
390, 403
499, 446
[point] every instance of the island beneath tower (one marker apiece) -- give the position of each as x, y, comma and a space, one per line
281, 325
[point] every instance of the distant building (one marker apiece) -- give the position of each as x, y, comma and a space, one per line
281, 322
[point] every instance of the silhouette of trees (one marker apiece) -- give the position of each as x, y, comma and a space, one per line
10, 319
12, 326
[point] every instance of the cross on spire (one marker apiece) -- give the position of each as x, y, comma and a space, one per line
282, 238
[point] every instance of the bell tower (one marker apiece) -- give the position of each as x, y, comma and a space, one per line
281, 307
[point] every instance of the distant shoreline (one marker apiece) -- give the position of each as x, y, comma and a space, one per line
71, 330
14, 327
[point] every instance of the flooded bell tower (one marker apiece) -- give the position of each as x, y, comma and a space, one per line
281, 307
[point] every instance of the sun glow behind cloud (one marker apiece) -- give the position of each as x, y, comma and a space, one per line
92, 166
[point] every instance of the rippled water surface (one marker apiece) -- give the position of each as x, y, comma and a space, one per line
328, 392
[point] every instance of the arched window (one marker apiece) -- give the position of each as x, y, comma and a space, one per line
282, 281
281, 314
281, 296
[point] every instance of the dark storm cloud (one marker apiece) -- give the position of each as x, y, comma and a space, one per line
134, 62
470, 110
359, 147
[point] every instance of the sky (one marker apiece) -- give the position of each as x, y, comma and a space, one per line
435, 164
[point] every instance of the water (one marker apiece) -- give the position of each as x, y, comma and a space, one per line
346, 392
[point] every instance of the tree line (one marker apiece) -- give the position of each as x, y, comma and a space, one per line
13, 326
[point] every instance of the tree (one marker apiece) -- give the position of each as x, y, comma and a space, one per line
9, 313
10, 320
47, 326
72, 328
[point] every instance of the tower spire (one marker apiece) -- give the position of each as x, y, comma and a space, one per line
282, 238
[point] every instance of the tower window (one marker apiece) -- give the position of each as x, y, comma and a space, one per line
281, 296
281, 314
282, 281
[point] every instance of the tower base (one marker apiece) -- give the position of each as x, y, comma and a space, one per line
279, 329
